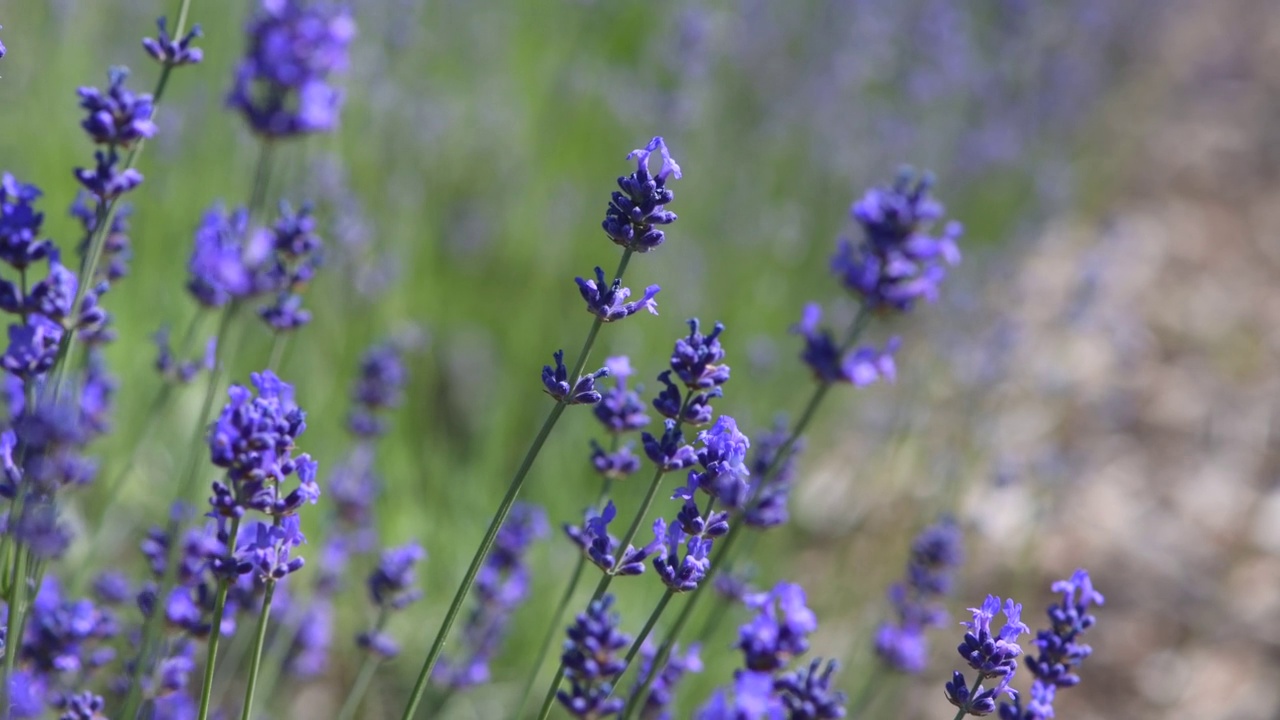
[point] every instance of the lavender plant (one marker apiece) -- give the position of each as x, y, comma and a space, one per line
234, 568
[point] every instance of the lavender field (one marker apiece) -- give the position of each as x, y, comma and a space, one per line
910, 328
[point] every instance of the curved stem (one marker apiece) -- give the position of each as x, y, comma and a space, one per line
553, 629
654, 669
459, 598
215, 629
360, 688
258, 641
513, 490
278, 344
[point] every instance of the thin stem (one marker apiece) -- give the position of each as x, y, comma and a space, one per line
654, 669
513, 490
860, 697
259, 640
261, 178
660, 657
632, 531
360, 688
215, 628
726, 548
553, 629
459, 598
278, 344
151, 626
13, 628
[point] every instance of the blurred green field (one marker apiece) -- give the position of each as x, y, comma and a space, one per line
479, 144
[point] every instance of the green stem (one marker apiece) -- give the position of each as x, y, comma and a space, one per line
860, 697
151, 626
664, 652
459, 597
259, 640
278, 344
632, 531
554, 629
654, 668
360, 688
13, 629
261, 179
215, 628
513, 490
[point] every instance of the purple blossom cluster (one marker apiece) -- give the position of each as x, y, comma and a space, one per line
392, 587
657, 704
935, 553
897, 262
232, 262
282, 87
778, 633
592, 663
994, 655
1060, 649
117, 119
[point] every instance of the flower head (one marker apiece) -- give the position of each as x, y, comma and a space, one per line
116, 117
808, 695
608, 301
662, 690
392, 583
20, 224
592, 663
632, 214
281, 86
583, 391
897, 262
780, 629
935, 553
173, 52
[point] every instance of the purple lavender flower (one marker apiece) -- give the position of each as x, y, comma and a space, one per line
27, 691
662, 691
54, 295
808, 695
897, 262
935, 553
380, 386
609, 301
281, 85
620, 408
184, 371
81, 706
734, 585
267, 548
723, 459
225, 258
501, 586
253, 439
632, 214
66, 636
116, 117
780, 629
680, 575
771, 478
171, 51
753, 698
33, 347
592, 663
669, 452
116, 251
583, 391
1060, 651
392, 583
670, 402
106, 181
992, 655
20, 224
694, 358
616, 465
593, 538
861, 366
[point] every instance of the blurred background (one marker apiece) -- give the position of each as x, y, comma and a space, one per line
1098, 386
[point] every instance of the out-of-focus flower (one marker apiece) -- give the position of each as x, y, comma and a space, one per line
170, 51
592, 662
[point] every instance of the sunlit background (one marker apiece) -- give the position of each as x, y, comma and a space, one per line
1098, 385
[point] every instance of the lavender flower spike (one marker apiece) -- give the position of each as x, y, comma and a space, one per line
172, 51
608, 301
632, 214
935, 553
592, 663
556, 383
1060, 649
859, 367
992, 655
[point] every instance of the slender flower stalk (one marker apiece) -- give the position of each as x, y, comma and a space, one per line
215, 635
259, 640
630, 222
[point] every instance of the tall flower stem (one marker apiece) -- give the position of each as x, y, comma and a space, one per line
279, 341
360, 688
654, 669
513, 490
105, 214
151, 626
13, 627
553, 628
215, 628
259, 640
659, 659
